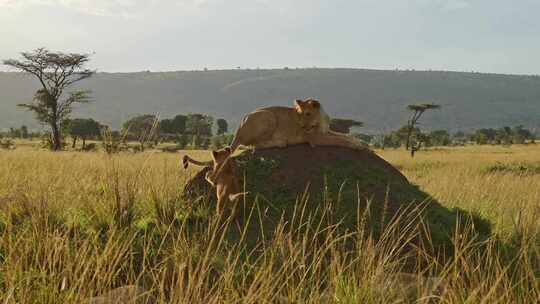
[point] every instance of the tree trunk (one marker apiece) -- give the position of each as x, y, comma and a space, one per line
409, 133
84, 143
415, 147
74, 142
56, 140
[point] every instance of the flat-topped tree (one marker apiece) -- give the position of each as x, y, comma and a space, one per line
344, 125
417, 111
56, 72
83, 128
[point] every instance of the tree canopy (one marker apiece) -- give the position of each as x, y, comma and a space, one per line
140, 126
83, 128
199, 124
344, 125
176, 125
222, 126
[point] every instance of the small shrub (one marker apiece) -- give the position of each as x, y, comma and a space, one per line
90, 147
7, 144
171, 149
112, 142
515, 168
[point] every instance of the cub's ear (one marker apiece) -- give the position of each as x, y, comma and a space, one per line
227, 149
298, 104
214, 154
314, 103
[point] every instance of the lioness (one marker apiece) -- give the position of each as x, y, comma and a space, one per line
271, 127
227, 183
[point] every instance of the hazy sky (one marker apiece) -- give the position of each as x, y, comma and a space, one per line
131, 35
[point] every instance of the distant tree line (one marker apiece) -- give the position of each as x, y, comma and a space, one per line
22, 132
503, 136
190, 131
493, 136
199, 131
194, 131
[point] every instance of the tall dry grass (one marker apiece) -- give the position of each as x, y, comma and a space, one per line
501, 183
75, 225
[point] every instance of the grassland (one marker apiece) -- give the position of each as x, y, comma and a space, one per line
75, 225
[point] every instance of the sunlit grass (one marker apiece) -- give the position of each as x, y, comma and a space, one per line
74, 225
464, 177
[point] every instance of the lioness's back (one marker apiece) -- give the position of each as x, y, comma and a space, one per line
278, 110
285, 118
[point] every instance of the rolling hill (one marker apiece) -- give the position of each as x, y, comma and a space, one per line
376, 97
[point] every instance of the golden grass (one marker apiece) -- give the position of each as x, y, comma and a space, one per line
462, 177
74, 225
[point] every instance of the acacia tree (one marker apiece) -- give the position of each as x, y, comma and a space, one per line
56, 72
417, 111
172, 127
222, 126
344, 125
142, 128
199, 125
83, 128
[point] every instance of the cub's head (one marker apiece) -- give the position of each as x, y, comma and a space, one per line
311, 114
220, 169
220, 155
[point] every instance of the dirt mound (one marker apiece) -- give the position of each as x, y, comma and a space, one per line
278, 178
301, 169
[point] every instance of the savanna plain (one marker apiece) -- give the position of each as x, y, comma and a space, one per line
74, 225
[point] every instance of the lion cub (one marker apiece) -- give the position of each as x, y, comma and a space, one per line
227, 183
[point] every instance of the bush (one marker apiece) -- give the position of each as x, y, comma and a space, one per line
7, 144
90, 147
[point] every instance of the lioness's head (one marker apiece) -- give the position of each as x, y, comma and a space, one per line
310, 112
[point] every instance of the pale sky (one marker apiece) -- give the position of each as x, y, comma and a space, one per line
498, 36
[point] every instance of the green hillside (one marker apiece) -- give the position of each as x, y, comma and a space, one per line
378, 98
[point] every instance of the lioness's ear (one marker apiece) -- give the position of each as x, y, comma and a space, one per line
298, 104
314, 103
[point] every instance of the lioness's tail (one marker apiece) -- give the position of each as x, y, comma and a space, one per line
186, 160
